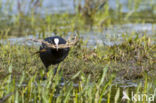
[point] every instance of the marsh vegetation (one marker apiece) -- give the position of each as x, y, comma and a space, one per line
115, 53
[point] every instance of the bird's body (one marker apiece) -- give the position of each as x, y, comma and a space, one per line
52, 56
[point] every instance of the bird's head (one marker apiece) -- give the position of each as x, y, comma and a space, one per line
56, 42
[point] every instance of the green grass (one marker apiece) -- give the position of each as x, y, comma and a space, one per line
93, 70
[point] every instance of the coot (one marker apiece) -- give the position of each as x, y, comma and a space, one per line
52, 56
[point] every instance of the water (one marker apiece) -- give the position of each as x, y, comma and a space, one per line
59, 6
110, 36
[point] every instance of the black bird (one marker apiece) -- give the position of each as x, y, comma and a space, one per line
52, 56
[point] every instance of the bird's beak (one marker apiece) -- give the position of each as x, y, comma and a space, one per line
56, 41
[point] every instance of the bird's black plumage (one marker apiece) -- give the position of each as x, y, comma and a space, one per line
52, 56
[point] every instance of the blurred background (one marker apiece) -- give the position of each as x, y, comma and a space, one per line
25, 17
103, 18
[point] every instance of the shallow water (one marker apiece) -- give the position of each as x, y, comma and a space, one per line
109, 36
61, 6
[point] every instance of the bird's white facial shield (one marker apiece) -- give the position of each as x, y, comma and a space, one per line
56, 41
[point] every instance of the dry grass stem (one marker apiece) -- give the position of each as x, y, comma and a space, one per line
49, 45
